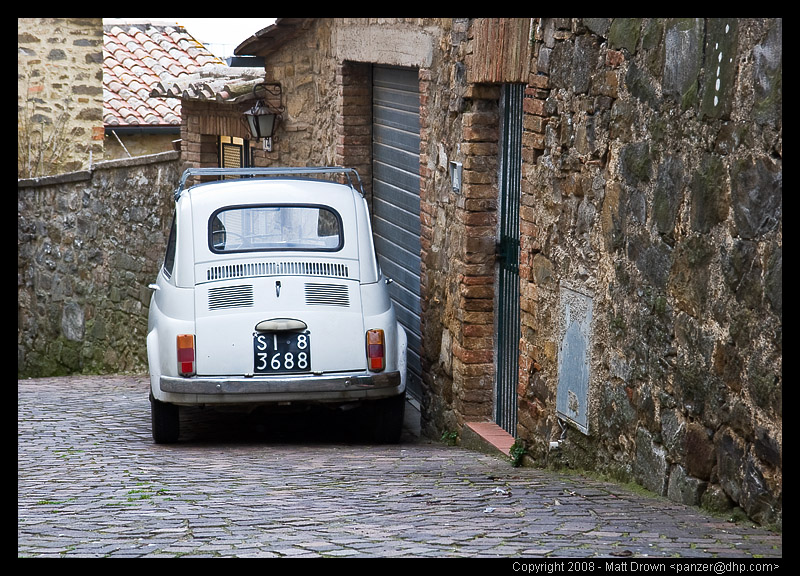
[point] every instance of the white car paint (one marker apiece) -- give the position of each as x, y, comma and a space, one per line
217, 288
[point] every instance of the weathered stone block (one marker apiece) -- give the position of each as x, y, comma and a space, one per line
683, 488
650, 466
768, 75
721, 56
690, 274
684, 51
624, 33
756, 196
709, 198
698, 453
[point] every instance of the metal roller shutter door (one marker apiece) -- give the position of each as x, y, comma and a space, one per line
395, 189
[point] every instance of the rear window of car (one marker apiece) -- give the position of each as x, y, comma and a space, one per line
275, 227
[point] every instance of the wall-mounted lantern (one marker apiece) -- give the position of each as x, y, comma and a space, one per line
263, 117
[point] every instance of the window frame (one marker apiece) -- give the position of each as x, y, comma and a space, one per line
327, 208
169, 254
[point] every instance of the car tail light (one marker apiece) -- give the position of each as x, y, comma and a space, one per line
376, 356
186, 354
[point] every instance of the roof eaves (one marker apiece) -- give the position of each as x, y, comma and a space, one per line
222, 85
269, 39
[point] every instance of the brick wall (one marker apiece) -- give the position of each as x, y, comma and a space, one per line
476, 213
354, 121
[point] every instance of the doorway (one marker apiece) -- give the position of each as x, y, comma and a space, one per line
508, 314
396, 200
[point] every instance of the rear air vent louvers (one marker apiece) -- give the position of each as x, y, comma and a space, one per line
327, 295
251, 269
230, 297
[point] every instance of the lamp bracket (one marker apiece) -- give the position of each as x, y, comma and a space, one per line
272, 91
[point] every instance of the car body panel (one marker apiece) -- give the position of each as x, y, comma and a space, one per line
225, 333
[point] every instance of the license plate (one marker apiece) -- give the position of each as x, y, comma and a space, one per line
281, 352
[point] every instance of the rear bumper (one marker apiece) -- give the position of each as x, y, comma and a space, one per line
266, 389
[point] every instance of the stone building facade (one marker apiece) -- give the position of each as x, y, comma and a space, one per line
650, 230
59, 94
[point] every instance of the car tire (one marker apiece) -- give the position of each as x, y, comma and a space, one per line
166, 421
387, 419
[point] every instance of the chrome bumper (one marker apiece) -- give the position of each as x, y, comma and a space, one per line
305, 386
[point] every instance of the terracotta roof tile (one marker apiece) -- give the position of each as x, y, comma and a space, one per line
136, 59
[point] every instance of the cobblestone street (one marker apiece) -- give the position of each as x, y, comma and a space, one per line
91, 483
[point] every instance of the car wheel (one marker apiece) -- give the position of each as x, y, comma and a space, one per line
166, 421
387, 419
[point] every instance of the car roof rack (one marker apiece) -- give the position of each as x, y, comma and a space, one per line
348, 172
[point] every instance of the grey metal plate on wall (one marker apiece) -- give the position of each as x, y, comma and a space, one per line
575, 330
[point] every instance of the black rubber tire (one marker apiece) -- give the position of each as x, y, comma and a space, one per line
387, 419
166, 421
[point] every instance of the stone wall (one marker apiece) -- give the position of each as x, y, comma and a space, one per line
657, 193
88, 245
131, 145
59, 94
307, 73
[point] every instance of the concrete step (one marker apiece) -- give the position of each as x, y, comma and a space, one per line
486, 437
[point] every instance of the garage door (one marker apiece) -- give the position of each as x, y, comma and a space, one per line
395, 189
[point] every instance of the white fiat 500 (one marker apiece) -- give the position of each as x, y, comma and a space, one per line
271, 293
